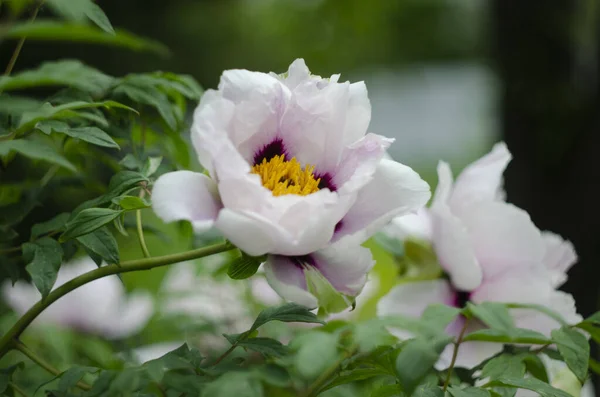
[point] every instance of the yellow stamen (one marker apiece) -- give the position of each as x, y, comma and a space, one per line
286, 177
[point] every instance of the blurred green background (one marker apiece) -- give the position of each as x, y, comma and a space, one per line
447, 79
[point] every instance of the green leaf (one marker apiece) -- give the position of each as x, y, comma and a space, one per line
35, 150
245, 266
371, 334
394, 391
288, 313
44, 257
494, 315
30, 120
575, 349
66, 72
428, 391
593, 319
181, 358
416, 360
70, 377
184, 84
152, 96
265, 346
131, 202
535, 366
533, 384
595, 366
6, 375
151, 165
238, 384
503, 366
15, 105
103, 244
515, 335
330, 300
89, 220
93, 135
49, 30
355, 375
119, 184
80, 10
52, 225
468, 391
439, 316
315, 352
273, 375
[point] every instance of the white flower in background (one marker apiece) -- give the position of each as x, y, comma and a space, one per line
562, 378
490, 250
100, 307
294, 175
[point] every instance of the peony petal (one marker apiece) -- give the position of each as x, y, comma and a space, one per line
560, 255
444, 186
358, 115
258, 222
186, 195
394, 190
412, 298
417, 226
288, 280
481, 180
503, 237
359, 162
470, 354
345, 264
312, 127
134, 312
238, 85
454, 249
297, 74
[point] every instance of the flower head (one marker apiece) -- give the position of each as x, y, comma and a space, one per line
489, 249
100, 307
292, 174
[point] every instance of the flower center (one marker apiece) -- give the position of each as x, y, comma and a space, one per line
286, 177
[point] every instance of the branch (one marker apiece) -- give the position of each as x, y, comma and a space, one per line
124, 267
455, 352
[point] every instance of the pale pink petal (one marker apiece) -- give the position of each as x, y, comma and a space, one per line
470, 354
358, 115
411, 299
481, 180
444, 186
359, 162
312, 127
454, 249
297, 74
131, 315
503, 237
345, 265
417, 225
288, 280
186, 195
239, 85
394, 190
560, 255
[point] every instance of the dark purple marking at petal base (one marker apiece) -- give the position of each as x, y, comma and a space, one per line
326, 181
270, 150
462, 298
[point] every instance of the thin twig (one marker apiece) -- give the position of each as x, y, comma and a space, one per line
39, 361
222, 356
17, 389
455, 353
17, 51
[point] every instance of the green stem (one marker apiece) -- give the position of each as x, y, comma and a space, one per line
17, 51
124, 267
17, 389
33, 357
455, 353
222, 356
140, 229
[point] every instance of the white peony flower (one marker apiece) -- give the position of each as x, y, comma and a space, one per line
490, 250
294, 175
100, 307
